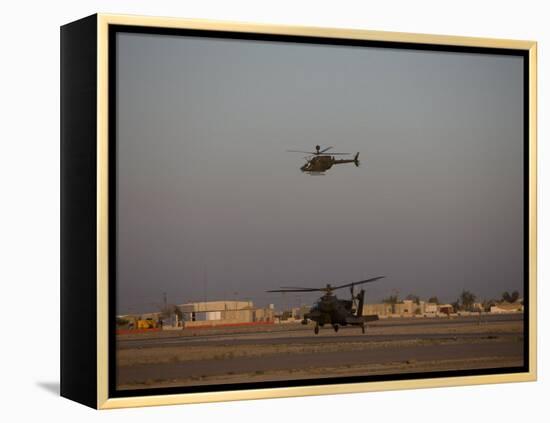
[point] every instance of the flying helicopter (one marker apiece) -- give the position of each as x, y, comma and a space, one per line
329, 310
318, 162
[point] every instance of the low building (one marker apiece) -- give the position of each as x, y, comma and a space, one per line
505, 307
263, 315
445, 309
295, 313
210, 311
219, 313
409, 308
430, 309
381, 310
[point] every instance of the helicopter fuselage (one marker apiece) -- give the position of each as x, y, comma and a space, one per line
329, 310
322, 163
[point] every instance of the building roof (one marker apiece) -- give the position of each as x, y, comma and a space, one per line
508, 306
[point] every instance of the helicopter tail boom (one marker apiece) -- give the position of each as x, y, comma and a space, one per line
355, 160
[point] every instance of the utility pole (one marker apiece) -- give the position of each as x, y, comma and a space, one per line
205, 284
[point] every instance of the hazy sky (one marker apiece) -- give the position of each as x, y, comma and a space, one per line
211, 206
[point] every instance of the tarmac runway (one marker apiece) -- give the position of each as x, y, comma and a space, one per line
389, 346
278, 338
281, 332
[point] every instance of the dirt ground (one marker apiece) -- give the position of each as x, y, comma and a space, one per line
294, 352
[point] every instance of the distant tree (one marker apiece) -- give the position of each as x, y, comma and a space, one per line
413, 298
456, 305
392, 299
510, 298
467, 300
434, 300
487, 304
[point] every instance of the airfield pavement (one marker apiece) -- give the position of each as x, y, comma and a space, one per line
292, 351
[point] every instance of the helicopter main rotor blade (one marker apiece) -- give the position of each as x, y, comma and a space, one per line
358, 283
300, 151
328, 288
320, 152
298, 287
296, 290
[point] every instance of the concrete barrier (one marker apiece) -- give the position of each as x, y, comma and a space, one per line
215, 324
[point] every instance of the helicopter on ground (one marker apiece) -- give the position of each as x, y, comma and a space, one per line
318, 162
329, 310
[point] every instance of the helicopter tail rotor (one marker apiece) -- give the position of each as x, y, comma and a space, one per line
356, 159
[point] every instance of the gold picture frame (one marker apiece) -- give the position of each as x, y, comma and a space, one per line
79, 38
